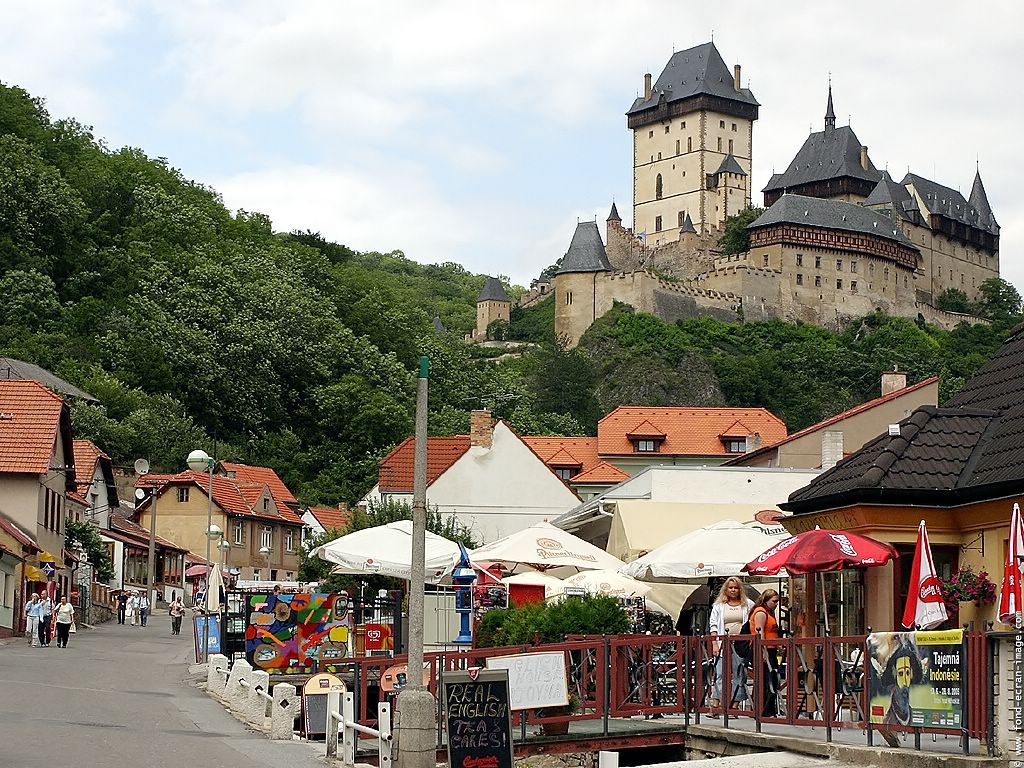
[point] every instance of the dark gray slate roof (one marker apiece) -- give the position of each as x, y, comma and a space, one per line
586, 251
613, 215
493, 290
888, 193
825, 155
688, 224
970, 449
729, 165
979, 200
16, 370
699, 70
940, 199
831, 214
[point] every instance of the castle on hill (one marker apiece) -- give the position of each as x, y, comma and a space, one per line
839, 238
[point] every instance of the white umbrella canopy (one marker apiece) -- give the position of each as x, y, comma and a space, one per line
715, 550
542, 546
214, 587
552, 587
387, 550
660, 598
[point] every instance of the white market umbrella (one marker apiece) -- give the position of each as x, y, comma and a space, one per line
542, 547
214, 586
720, 549
660, 598
1010, 591
552, 587
925, 608
386, 550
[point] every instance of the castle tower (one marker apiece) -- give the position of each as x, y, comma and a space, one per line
830, 113
492, 304
684, 127
576, 283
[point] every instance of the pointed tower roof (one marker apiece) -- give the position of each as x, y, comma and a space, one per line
688, 224
979, 200
493, 290
830, 113
586, 251
730, 165
614, 214
888, 193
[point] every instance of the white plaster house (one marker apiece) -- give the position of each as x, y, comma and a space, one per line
491, 480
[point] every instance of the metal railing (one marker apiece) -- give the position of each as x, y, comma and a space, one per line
342, 726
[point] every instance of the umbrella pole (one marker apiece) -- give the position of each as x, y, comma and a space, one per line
824, 604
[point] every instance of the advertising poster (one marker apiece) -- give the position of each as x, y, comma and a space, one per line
211, 625
294, 633
916, 679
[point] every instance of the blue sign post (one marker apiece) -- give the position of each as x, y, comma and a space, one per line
463, 577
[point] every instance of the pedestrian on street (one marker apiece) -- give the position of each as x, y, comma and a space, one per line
144, 607
32, 620
728, 614
122, 605
45, 613
133, 608
65, 619
763, 622
176, 609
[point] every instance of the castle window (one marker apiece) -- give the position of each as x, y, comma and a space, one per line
689, 143
658, 187
940, 271
730, 146
677, 146
799, 259
568, 298
681, 217
871, 269
799, 279
766, 259
839, 265
839, 285
817, 281
721, 123
682, 126
666, 128
659, 155
719, 143
853, 267
650, 134
646, 446
886, 274
657, 222
961, 278
734, 126
817, 262
853, 286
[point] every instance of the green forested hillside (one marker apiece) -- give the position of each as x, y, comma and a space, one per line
199, 327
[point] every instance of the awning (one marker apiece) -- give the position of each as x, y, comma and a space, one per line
34, 574
46, 557
640, 526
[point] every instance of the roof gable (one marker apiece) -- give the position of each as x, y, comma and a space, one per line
565, 451
602, 472
231, 495
695, 71
396, 469
493, 290
687, 431
32, 421
825, 155
940, 200
331, 518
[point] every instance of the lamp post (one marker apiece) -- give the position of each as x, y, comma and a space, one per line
198, 461
224, 546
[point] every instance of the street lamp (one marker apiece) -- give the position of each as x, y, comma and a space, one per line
224, 546
199, 461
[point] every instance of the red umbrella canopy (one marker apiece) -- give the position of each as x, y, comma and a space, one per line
821, 550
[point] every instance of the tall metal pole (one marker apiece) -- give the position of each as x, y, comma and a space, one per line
209, 562
416, 720
151, 573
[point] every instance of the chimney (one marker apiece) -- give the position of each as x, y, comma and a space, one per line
481, 428
864, 157
831, 449
647, 87
753, 442
893, 381
736, 76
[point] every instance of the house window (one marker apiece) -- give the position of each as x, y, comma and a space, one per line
658, 187
289, 540
289, 576
182, 495
817, 281
799, 259
799, 279
839, 285
564, 473
256, 574
817, 262
267, 537
239, 532
853, 286
646, 446
734, 445
839, 265
766, 259
657, 223
273, 574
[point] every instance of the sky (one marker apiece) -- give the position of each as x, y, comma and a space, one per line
480, 133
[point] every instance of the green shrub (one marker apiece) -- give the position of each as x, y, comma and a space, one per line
552, 622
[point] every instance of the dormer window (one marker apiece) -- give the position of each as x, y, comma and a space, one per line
567, 473
266, 504
735, 444
645, 445
646, 438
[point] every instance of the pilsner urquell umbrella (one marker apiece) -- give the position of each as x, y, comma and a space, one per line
925, 607
1010, 593
818, 551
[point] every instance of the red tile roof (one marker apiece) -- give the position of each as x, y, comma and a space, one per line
332, 518
839, 417
30, 420
263, 476
602, 472
565, 451
688, 431
86, 456
232, 495
396, 468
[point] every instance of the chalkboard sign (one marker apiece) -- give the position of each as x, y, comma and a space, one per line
535, 679
314, 702
478, 719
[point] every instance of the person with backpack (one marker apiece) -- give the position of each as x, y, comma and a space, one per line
764, 623
729, 613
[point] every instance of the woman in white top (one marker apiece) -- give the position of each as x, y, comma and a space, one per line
64, 617
728, 614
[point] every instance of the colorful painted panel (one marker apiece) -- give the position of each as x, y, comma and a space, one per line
297, 633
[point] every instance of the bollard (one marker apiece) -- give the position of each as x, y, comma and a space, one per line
234, 692
255, 703
283, 711
217, 673
331, 729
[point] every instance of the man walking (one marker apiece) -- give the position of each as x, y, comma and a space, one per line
133, 608
32, 620
45, 612
176, 609
122, 605
144, 607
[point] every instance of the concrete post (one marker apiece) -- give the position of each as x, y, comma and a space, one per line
349, 738
234, 692
1009, 697
217, 674
331, 727
283, 712
255, 704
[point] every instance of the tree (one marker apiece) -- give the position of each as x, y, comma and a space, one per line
736, 238
563, 381
88, 535
998, 299
955, 300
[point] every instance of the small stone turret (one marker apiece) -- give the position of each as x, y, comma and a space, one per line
492, 304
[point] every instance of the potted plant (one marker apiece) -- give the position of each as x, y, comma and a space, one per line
560, 729
966, 586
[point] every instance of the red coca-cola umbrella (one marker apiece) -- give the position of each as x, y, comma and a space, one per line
818, 551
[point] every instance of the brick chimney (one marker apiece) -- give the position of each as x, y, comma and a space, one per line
753, 442
647, 87
893, 381
736, 77
864, 157
831, 448
481, 429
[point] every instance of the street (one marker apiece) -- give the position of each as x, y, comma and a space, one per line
123, 696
